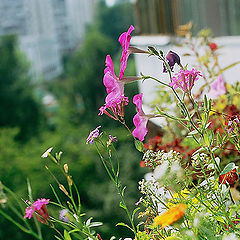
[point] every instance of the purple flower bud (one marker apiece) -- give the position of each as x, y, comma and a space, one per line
62, 215
171, 59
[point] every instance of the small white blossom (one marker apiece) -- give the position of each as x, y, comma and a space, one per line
47, 152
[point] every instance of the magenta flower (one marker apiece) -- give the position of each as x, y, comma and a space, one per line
114, 87
217, 88
185, 79
40, 207
140, 119
115, 108
93, 134
171, 58
124, 40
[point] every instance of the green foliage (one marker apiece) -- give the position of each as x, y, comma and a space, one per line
116, 19
19, 107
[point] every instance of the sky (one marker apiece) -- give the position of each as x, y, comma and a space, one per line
110, 2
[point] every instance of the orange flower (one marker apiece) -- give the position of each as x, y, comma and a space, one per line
171, 215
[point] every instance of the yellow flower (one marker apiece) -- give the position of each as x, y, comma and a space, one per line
172, 215
183, 194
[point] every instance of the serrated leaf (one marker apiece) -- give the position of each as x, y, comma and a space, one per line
66, 235
139, 145
228, 168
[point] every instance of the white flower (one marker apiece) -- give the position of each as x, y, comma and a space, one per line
47, 152
160, 170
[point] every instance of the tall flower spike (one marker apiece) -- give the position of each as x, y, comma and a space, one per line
140, 119
217, 88
124, 40
114, 87
185, 79
171, 58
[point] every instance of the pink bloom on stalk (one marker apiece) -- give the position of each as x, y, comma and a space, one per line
38, 206
140, 119
115, 107
114, 87
40, 202
124, 40
185, 79
217, 88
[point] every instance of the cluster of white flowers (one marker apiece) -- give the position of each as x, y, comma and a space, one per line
199, 159
153, 159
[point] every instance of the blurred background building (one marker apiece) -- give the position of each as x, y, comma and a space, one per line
164, 16
47, 29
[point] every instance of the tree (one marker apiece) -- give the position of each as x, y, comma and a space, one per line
18, 106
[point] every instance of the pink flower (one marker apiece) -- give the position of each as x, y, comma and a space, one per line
217, 88
114, 87
115, 108
93, 134
124, 40
185, 79
140, 119
40, 207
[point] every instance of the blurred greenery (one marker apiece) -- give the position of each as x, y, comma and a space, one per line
19, 108
79, 93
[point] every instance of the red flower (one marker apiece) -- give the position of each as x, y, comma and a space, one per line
230, 177
213, 46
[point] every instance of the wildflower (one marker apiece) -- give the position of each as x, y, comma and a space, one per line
114, 87
93, 134
232, 123
124, 40
217, 88
230, 177
185, 79
172, 215
213, 46
44, 155
140, 119
63, 215
40, 207
172, 58
111, 139
115, 108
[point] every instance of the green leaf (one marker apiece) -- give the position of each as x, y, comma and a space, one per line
122, 205
228, 168
227, 67
193, 132
139, 145
220, 219
134, 212
153, 50
125, 225
66, 235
